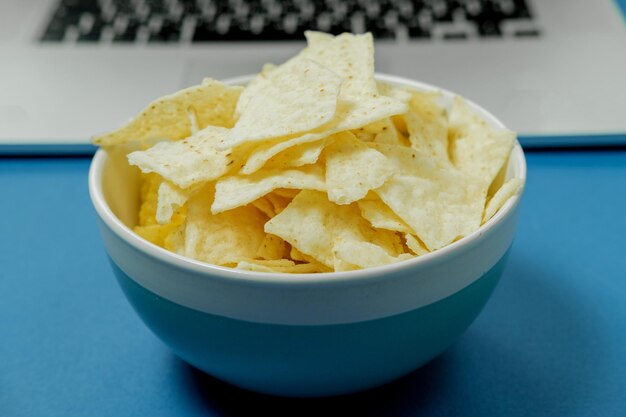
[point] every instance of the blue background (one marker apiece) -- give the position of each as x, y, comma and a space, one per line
551, 341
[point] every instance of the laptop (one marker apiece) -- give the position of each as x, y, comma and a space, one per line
552, 70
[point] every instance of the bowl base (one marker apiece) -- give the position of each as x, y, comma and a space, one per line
310, 361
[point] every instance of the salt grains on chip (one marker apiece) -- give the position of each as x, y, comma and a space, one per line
475, 147
324, 230
381, 216
224, 238
186, 162
314, 166
427, 125
358, 103
238, 190
353, 169
212, 104
273, 112
439, 204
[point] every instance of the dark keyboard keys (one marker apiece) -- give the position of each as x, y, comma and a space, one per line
125, 30
530, 33
273, 20
487, 20
55, 32
169, 31
205, 31
89, 28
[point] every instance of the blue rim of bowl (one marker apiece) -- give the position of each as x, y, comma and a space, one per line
325, 278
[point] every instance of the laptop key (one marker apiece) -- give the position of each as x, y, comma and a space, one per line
128, 30
205, 31
124, 7
90, 28
168, 32
487, 20
55, 32
157, 6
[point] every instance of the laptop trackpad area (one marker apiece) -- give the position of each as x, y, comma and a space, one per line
223, 61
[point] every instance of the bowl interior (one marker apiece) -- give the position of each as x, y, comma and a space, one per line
121, 186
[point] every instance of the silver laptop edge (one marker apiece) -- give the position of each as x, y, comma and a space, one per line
565, 88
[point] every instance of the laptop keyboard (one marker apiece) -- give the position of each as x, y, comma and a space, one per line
185, 21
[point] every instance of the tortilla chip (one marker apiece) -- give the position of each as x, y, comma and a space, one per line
476, 148
212, 104
350, 115
415, 245
238, 190
314, 225
272, 247
508, 190
224, 238
297, 156
253, 88
170, 199
353, 168
427, 124
305, 268
187, 162
294, 98
439, 204
382, 217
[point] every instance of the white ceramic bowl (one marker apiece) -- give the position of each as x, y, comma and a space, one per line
302, 335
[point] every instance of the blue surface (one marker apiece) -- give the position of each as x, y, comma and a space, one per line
550, 342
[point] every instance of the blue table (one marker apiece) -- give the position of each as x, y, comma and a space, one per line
551, 341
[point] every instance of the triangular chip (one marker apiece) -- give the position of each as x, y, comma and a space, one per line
414, 244
307, 225
350, 115
427, 123
382, 217
476, 148
508, 190
305, 268
264, 205
212, 104
237, 190
296, 97
252, 88
186, 162
149, 194
297, 156
399, 93
389, 134
353, 168
156, 233
439, 204
350, 56
224, 238
365, 254
313, 225
272, 247
286, 192
358, 104
278, 201
170, 199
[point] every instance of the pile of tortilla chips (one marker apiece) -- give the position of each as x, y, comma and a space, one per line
313, 166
